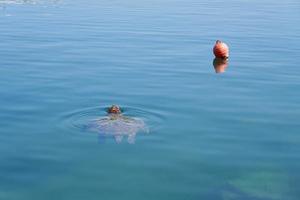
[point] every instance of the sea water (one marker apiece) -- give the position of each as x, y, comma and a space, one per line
215, 136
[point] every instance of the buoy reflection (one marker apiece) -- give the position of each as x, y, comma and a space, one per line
220, 65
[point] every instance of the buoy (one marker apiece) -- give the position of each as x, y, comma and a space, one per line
221, 50
220, 65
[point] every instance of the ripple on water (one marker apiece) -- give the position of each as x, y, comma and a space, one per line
79, 121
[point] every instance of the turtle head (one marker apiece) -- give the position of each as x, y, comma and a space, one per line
114, 109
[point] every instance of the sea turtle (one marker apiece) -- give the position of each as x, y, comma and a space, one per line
117, 125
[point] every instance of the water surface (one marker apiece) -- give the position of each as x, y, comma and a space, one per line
214, 136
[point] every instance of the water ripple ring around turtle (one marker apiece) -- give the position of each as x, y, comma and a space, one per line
80, 120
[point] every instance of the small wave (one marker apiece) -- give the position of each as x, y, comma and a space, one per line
81, 120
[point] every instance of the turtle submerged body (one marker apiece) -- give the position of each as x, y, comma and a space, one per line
117, 125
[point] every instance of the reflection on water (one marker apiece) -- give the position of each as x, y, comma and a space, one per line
220, 65
3, 2
117, 126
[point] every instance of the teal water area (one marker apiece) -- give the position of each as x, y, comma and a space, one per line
214, 136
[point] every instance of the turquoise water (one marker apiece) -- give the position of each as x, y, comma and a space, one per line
213, 136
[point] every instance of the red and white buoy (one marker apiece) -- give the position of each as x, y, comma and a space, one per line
221, 50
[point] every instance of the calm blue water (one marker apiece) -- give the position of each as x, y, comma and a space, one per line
212, 136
